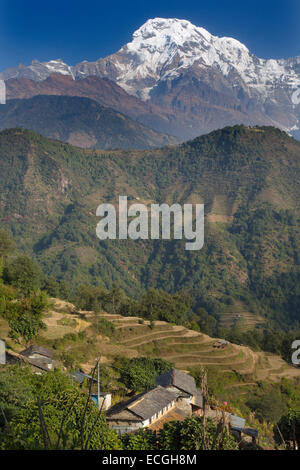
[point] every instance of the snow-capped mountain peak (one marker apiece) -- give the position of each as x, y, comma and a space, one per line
166, 29
162, 47
172, 63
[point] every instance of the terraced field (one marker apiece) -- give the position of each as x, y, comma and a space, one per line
186, 348
238, 315
134, 337
245, 320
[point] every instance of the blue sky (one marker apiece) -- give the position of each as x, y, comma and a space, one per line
86, 30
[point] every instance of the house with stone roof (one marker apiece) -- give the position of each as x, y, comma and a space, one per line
184, 386
141, 410
38, 357
175, 397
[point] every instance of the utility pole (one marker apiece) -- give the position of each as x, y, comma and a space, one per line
2, 352
98, 384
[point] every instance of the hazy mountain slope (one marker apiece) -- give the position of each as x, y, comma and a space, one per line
79, 121
247, 178
104, 91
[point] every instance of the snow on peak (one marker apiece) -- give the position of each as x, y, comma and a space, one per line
58, 66
41, 70
157, 34
161, 42
161, 30
163, 47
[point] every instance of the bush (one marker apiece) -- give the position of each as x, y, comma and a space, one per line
139, 374
23, 274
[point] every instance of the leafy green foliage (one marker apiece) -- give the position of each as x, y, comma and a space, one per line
60, 403
6, 243
143, 439
103, 326
16, 390
25, 316
188, 435
23, 274
288, 429
268, 406
138, 374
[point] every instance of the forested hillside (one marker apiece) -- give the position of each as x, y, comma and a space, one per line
248, 179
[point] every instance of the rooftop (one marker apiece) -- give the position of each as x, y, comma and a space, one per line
144, 405
34, 349
178, 379
81, 376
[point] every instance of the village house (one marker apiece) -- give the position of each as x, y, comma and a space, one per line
141, 410
237, 424
189, 398
174, 398
38, 357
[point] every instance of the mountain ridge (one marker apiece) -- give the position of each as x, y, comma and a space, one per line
167, 57
102, 90
79, 121
248, 179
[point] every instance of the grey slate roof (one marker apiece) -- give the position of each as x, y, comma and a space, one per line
178, 379
251, 432
144, 405
198, 399
34, 349
237, 421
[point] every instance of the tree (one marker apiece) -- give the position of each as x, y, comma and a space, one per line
90, 298
143, 439
206, 322
6, 243
16, 390
6, 246
269, 406
58, 415
25, 316
64, 290
114, 299
288, 429
51, 286
160, 305
138, 374
188, 435
7, 294
23, 274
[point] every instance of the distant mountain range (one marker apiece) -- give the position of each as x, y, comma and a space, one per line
79, 121
102, 90
185, 81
